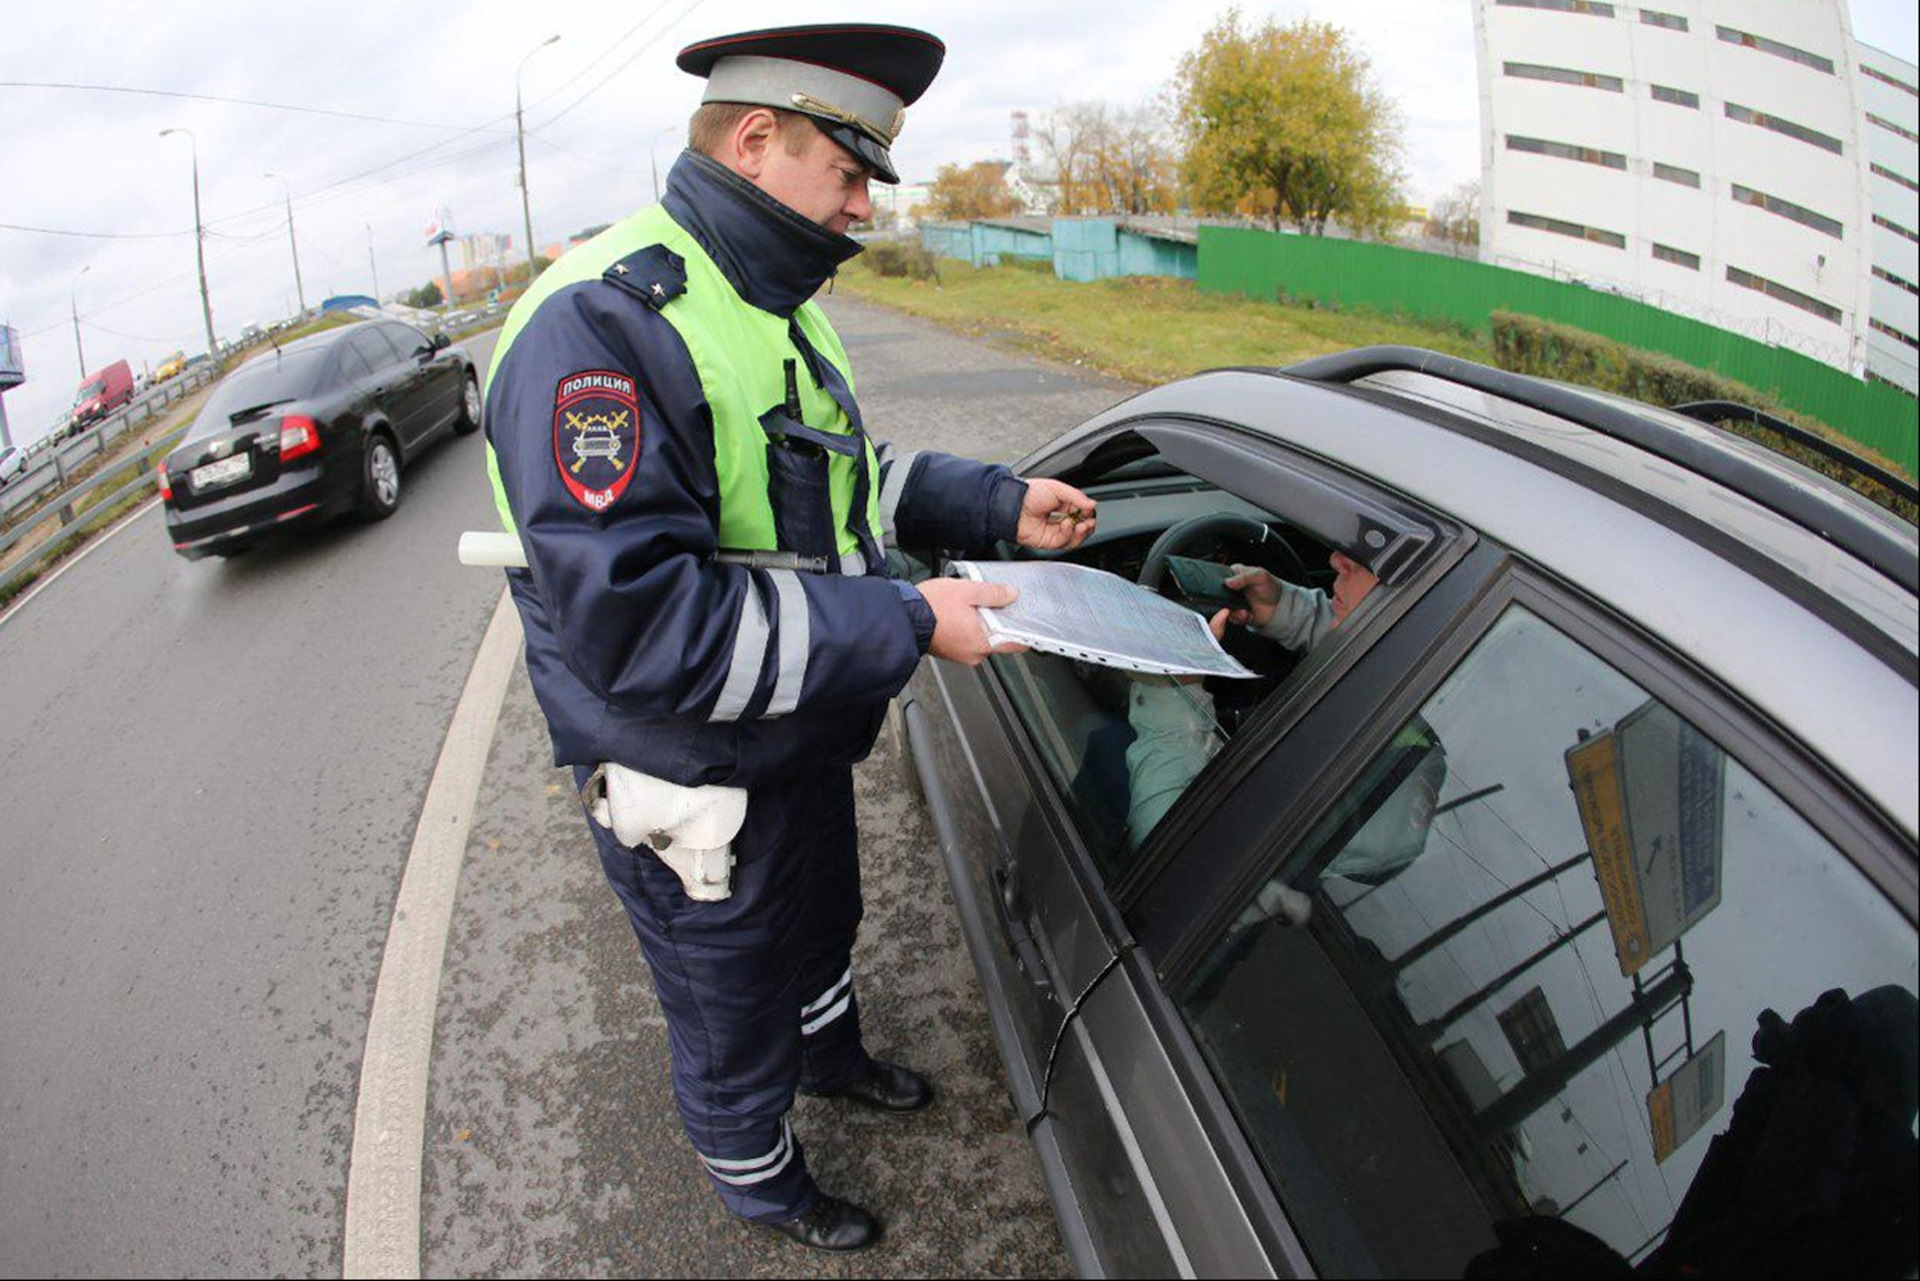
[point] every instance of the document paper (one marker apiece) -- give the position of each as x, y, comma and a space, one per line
1098, 617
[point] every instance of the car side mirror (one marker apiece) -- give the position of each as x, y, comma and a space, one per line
441, 342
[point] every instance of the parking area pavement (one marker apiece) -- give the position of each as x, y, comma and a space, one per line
552, 1144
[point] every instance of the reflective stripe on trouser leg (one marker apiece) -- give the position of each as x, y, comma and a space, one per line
831, 1054
732, 976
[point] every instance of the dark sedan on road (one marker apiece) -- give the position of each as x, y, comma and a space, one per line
314, 429
1550, 903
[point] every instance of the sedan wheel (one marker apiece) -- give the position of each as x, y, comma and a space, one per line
380, 489
469, 419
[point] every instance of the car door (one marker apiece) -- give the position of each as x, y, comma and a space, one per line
1528, 963
1029, 771
438, 378
392, 386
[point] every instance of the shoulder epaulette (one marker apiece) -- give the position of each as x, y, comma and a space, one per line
655, 275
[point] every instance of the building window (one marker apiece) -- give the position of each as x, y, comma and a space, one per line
1891, 127
1891, 176
1780, 293
1674, 173
1613, 239
1892, 279
1678, 257
1884, 78
1671, 21
1787, 209
1895, 228
1891, 332
1567, 151
1564, 76
1748, 40
1799, 133
1678, 97
1591, 8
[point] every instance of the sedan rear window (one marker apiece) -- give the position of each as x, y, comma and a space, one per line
268, 380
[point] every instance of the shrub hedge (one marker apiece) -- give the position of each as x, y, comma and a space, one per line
1527, 345
907, 258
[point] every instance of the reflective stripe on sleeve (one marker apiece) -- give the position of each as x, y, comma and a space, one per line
757, 1169
796, 629
749, 650
892, 485
852, 564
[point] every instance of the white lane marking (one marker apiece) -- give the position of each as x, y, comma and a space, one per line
389, 1121
92, 545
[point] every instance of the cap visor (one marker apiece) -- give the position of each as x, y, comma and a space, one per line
862, 146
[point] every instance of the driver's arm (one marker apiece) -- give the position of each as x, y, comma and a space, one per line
1289, 615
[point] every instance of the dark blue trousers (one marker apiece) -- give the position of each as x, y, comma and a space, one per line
757, 989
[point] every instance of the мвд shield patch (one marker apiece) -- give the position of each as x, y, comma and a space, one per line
596, 435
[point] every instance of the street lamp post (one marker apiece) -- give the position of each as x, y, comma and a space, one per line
294, 245
73, 302
654, 160
199, 242
520, 130
373, 265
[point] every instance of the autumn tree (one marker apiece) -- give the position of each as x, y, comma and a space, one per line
1289, 117
1455, 217
978, 190
1103, 159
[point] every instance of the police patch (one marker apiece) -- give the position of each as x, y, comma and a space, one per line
596, 435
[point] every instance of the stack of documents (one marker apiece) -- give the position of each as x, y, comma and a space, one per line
1098, 617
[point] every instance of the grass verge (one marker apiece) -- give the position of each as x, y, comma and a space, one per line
1145, 329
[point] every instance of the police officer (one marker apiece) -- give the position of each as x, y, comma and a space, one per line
711, 628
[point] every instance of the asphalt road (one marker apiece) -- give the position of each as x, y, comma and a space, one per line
210, 775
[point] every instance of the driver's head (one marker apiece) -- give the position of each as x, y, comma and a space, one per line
1351, 583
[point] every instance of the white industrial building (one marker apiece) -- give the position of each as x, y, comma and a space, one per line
1720, 159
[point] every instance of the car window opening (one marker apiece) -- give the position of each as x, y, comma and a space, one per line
1122, 748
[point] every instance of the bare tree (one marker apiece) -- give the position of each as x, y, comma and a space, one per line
1455, 217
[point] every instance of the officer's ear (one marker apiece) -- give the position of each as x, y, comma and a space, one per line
754, 138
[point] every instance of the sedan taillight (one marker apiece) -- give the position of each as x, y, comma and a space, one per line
299, 436
166, 486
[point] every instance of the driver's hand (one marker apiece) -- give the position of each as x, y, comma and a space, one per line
1054, 516
1262, 591
1218, 626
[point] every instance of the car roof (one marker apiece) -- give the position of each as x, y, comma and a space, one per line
1761, 633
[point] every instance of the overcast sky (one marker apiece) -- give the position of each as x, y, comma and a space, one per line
601, 105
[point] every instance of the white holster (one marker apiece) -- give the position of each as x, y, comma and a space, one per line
691, 829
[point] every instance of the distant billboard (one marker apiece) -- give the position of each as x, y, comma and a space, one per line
440, 226
13, 369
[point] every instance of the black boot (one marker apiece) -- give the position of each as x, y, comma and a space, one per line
888, 1087
832, 1224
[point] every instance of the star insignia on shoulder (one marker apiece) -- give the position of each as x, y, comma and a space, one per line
657, 289
620, 268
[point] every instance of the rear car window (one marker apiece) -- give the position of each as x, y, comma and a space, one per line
1556, 959
266, 380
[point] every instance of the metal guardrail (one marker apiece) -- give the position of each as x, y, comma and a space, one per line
52, 467
72, 519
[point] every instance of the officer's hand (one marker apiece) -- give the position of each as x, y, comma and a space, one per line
957, 632
1262, 591
1055, 516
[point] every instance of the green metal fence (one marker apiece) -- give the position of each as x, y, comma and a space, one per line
1261, 264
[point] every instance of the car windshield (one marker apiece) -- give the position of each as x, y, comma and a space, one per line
89, 390
270, 380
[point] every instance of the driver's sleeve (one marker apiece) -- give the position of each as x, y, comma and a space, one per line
1173, 739
1302, 618
643, 615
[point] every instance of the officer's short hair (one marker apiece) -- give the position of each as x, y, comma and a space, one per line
714, 123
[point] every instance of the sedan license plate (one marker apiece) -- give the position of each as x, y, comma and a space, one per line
224, 472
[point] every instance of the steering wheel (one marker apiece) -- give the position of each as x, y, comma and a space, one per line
1186, 533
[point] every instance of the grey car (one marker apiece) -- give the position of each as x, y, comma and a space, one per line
1530, 915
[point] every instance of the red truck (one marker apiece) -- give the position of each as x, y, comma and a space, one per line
102, 393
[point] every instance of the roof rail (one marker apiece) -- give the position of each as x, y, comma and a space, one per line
1713, 411
1868, 540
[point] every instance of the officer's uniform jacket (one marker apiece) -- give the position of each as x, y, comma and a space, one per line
665, 392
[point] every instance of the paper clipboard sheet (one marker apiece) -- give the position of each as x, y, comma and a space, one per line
1099, 617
